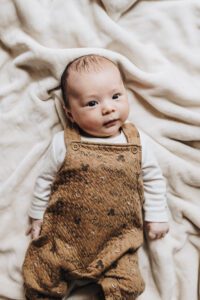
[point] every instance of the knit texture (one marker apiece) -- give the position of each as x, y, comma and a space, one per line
93, 224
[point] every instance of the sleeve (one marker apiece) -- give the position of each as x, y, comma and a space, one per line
155, 204
52, 162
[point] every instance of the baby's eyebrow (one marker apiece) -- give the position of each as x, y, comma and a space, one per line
91, 96
115, 90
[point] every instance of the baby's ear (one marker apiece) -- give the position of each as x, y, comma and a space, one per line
68, 113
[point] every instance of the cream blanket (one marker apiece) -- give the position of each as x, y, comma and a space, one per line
157, 46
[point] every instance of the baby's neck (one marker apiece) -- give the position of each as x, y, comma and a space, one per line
87, 135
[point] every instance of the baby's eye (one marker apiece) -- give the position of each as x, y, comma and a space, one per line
116, 96
92, 103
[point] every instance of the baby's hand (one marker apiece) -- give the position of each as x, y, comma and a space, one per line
156, 230
35, 228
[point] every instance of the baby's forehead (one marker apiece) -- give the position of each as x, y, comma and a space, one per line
86, 66
105, 71
81, 73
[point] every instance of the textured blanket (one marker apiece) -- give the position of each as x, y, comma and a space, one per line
156, 44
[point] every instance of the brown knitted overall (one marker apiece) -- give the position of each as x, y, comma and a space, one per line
93, 224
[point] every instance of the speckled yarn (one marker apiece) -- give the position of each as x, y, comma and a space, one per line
93, 224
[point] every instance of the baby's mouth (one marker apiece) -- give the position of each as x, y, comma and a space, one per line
110, 123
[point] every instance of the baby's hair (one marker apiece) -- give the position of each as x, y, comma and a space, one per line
86, 63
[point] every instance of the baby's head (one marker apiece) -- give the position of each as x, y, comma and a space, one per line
95, 96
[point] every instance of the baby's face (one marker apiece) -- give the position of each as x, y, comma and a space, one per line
98, 100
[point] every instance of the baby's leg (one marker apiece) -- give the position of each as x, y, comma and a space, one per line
123, 281
42, 273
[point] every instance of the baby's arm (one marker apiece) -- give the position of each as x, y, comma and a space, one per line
51, 164
155, 206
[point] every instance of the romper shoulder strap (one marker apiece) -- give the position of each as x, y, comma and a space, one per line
131, 133
133, 137
71, 133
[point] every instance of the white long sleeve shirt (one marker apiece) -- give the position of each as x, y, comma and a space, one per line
155, 207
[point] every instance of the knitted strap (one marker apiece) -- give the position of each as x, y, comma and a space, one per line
71, 133
131, 134
133, 137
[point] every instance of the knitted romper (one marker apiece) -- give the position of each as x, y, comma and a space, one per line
93, 224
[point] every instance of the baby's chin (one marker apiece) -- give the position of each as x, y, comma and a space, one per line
101, 134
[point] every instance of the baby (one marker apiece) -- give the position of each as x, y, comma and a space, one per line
99, 181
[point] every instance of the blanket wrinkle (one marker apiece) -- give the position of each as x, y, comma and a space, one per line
118, 37
116, 8
156, 45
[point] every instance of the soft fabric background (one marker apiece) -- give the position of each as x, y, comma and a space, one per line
157, 46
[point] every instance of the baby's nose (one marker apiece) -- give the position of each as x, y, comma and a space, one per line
107, 108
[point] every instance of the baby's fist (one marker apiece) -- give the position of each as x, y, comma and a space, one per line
35, 228
156, 230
